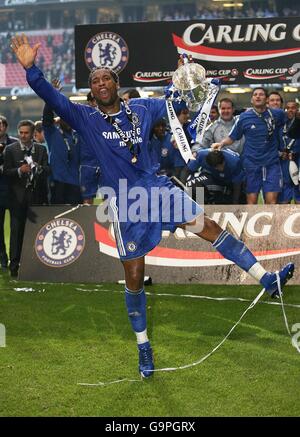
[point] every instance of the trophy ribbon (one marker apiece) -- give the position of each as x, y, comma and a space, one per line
191, 86
198, 125
178, 132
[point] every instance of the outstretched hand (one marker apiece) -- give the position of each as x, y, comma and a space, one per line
24, 52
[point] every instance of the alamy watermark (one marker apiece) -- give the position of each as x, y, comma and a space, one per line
2, 335
165, 204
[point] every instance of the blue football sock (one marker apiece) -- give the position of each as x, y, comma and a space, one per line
136, 307
234, 250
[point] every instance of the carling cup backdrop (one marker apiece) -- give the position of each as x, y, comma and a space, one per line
235, 51
76, 247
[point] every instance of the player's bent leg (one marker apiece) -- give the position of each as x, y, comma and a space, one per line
134, 273
271, 198
252, 198
136, 307
235, 250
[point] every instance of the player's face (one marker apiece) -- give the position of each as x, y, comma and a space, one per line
259, 99
25, 134
274, 101
3, 128
125, 97
160, 130
226, 111
183, 117
213, 114
291, 109
104, 88
39, 136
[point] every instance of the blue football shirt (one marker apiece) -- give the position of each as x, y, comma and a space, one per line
260, 148
108, 148
233, 171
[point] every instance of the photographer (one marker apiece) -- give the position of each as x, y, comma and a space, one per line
26, 167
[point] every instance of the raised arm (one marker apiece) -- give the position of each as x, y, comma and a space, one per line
73, 114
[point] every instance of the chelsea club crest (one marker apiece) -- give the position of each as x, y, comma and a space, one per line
107, 49
59, 243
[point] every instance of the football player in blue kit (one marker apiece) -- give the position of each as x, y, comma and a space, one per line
229, 168
118, 134
260, 126
289, 151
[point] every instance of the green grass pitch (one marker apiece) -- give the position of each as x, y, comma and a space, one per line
59, 335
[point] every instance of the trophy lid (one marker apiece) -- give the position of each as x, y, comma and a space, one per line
188, 76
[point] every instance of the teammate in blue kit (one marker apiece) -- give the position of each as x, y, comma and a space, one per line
224, 166
118, 134
161, 148
260, 126
229, 168
289, 151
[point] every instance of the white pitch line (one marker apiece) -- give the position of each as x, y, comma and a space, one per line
205, 357
194, 296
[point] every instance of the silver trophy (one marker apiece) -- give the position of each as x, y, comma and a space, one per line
190, 82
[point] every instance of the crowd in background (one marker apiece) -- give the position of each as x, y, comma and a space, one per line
63, 53
70, 17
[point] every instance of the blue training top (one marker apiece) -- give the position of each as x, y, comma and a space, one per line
260, 148
233, 171
63, 168
104, 142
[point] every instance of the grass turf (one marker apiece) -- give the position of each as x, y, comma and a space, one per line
61, 334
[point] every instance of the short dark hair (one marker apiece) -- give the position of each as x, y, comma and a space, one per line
90, 97
3, 120
226, 100
132, 93
113, 74
160, 122
214, 158
259, 88
29, 123
292, 101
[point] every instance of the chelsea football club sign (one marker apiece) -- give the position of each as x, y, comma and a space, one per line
107, 49
59, 243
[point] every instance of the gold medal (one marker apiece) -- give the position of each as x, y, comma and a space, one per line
134, 159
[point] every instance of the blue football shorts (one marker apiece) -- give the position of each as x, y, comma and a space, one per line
139, 219
289, 192
267, 178
89, 180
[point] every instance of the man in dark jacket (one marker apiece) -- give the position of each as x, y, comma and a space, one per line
5, 140
26, 166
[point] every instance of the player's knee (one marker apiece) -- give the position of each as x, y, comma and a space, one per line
212, 227
211, 230
134, 278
